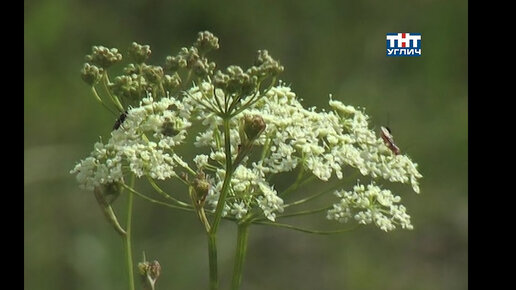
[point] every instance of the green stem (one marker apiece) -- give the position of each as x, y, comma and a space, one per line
166, 195
253, 100
219, 106
143, 196
304, 230
108, 212
316, 195
199, 209
242, 236
299, 213
114, 98
188, 77
212, 255
97, 97
128, 247
301, 201
227, 178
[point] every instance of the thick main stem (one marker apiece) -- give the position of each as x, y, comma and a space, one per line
127, 237
242, 235
212, 233
227, 179
212, 254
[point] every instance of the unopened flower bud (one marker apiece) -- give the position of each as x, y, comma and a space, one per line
140, 53
266, 65
191, 55
249, 86
153, 74
253, 126
201, 187
91, 74
220, 80
236, 78
200, 68
171, 82
173, 63
130, 69
206, 41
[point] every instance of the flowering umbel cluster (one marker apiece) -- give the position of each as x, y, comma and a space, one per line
246, 128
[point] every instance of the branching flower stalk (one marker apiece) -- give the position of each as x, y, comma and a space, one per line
252, 129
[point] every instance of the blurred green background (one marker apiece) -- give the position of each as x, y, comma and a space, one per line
335, 47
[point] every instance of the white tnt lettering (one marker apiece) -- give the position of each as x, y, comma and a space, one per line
407, 40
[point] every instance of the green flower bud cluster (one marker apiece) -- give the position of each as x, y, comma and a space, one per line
153, 73
206, 42
138, 79
190, 63
91, 74
190, 59
129, 87
170, 83
266, 65
104, 57
139, 53
237, 82
190, 67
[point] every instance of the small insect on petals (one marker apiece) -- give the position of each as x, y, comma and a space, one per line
120, 120
389, 140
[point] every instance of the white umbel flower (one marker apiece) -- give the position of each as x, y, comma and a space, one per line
368, 205
326, 142
323, 143
143, 144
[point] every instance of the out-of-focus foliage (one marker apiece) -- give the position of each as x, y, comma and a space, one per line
335, 47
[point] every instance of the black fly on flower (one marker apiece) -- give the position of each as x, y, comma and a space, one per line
120, 120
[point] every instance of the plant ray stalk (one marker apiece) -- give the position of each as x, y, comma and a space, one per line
116, 101
143, 196
304, 230
164, 194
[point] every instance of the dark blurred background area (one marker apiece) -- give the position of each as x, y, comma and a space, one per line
326, 47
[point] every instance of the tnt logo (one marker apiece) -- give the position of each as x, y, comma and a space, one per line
403, 44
